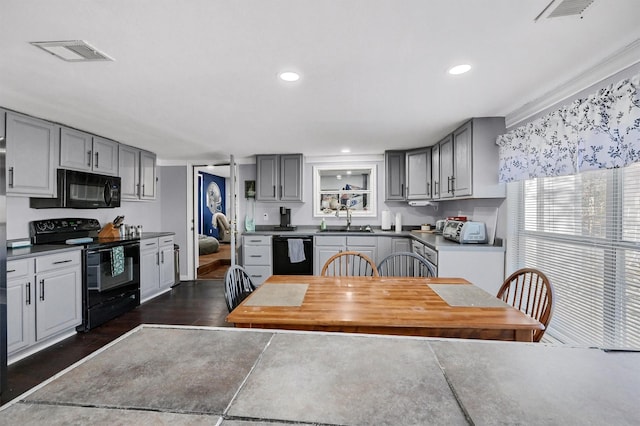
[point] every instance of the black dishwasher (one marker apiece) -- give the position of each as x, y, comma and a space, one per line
282, 264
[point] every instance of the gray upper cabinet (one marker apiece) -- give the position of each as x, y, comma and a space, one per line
105, 156
147, 175
279, 177
85, 152
30, 156
129, 169
394, 164
419, 174
469, 160
267, 177
462, 161
435, 171
446, 167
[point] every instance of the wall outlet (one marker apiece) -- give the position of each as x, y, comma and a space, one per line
265, 217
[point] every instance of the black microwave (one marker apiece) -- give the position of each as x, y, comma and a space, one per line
81, 190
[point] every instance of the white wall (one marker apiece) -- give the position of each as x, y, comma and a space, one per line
173, 207
19, 214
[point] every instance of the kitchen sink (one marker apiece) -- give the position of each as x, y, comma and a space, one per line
363, 229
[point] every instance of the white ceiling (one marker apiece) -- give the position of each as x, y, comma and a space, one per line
197, 79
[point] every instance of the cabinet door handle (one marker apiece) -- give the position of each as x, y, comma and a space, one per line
436, 186
402, 189
41, 289
62, 261
274, 190
453, 186
157, 258
10, 177
150, 244
429, 189
88, 158
10, 270
142, 193
29, 293
162, 254
255, 255
96, 160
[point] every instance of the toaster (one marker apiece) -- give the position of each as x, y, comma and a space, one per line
465, 232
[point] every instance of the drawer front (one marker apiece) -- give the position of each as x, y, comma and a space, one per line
18, 268
257, 255
362, 241
257, 240
166, 241
258, 273
431, 255
330, 241
57, 261
149, 245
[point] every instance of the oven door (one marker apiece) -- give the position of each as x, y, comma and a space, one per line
112, 267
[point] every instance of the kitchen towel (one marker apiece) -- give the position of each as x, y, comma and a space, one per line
296, 250
117, 260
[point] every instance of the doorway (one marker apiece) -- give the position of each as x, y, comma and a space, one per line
214, 219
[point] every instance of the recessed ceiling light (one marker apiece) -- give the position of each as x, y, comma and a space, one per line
289, 76
459, 69
345, 150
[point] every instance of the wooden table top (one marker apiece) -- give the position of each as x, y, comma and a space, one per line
384, 305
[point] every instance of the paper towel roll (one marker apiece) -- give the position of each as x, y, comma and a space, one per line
386, 220
398, 222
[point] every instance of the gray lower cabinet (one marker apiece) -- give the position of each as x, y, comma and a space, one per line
279, 177
44, 299
388, 245
395, 175
156, 266
30, 156
257, 257
149, 269
86, 152
326, 246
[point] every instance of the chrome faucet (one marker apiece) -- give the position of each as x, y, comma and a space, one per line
348, 214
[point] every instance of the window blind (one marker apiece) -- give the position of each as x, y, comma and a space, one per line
583, 232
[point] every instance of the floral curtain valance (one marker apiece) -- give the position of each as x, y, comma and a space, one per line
601, 131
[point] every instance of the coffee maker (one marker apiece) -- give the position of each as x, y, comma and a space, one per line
285, 217
285, 220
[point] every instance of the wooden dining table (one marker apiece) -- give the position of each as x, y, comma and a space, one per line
433, 307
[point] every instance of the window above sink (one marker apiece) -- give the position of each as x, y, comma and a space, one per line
341, 187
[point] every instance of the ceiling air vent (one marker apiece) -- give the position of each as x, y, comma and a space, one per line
558, 8
72, 50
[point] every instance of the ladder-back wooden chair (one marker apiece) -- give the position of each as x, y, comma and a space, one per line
349, 263
405, 264
530, 291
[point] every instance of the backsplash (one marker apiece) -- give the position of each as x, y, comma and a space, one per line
19, 214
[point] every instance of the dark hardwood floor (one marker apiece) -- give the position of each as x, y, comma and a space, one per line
189, 303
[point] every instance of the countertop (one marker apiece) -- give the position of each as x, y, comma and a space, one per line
434, 241
308, 378
36, 250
